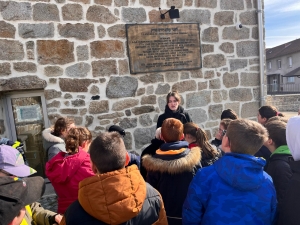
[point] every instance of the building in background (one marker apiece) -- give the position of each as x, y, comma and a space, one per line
69, 58
283, 68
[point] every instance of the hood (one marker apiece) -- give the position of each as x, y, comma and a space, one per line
293, 136
241, 171
176, 165
62, 167
114, 197
49, 139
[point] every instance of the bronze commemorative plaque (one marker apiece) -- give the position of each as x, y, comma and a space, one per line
163, 47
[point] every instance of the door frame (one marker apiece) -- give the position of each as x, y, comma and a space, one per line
9, 113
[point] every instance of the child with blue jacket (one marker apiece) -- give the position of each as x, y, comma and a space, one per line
234, 190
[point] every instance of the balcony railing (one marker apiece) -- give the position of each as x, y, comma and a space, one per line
273, 89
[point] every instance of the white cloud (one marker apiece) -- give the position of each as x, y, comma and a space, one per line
274, 41
293, 7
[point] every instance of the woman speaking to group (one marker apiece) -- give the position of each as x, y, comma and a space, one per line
173, 110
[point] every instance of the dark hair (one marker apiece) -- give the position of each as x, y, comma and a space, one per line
84, 135
269, 111
277, 132
229, 114
201, 138
118, 129
108, 152
61, 124
171, 130
72, 141
246, 136
175, 95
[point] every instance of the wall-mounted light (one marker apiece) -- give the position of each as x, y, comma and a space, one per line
173, 13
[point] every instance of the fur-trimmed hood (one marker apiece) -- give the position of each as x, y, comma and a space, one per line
49, 139
175, 166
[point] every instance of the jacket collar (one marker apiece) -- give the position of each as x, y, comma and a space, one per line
188, 160
283, 149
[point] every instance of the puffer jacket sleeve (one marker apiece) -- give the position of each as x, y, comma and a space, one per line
40, 215
53, 151
193, 208
162, 220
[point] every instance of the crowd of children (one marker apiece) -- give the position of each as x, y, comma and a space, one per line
181, 178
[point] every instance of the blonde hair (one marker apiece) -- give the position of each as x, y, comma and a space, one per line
84, 135
246, 136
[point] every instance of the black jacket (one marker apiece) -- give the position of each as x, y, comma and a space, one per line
180, 114
278, 168
150, 150
147, 216
289, 210
172, 174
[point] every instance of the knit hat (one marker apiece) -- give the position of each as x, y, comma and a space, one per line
16, 193
293, 136
12, 162
117, 129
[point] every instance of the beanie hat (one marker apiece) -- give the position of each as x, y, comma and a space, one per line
117, 129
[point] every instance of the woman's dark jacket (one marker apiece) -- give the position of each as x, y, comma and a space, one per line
170, 171
179, 114
289, 208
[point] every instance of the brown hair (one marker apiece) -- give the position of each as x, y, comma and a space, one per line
246, 136
229, 114
269, 111
175, 95
108, 152
84, 135
61, 124
225, 123
171, 130
277, 132
72, 141
201, 138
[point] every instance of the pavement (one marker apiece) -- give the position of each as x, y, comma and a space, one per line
49, 199
289, 114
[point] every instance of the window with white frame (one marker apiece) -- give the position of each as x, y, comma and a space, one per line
270, 65
279, 64
291, 79
290, 61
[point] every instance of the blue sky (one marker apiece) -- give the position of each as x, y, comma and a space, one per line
282, 21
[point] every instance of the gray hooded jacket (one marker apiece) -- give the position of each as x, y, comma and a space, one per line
52, 144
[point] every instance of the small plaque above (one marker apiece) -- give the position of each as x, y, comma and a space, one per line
163, 47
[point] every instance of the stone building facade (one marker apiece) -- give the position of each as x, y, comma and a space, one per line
72, 50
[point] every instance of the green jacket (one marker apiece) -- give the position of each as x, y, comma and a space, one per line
37, 215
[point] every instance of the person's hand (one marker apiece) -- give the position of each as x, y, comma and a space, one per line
58, 218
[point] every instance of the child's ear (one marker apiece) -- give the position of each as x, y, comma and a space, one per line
161, 137
226, 144
264, 119
182, 137
94, 168
127, 159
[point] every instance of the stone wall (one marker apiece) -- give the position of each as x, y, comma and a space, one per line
76, 49
284, 103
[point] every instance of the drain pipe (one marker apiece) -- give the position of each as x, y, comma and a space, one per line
259, 12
